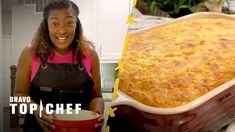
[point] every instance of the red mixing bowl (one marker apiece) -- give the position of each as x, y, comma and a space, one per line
83, 122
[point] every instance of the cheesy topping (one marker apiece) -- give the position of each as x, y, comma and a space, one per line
170, 66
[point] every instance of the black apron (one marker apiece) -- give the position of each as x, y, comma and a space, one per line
59, 83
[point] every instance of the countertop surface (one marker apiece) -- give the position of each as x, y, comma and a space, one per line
144, 21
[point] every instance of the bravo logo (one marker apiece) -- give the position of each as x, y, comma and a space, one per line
25, 105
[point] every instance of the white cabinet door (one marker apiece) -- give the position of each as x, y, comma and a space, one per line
112, 28
88, 18
104, 23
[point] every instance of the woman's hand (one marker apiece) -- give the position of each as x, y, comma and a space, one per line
45, 122
99, 123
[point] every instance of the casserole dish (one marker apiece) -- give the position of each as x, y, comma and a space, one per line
209, 112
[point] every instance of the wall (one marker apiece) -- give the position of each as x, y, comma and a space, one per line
6, 15
1, 69
22, 34
7, 47
7, 55
6, 21
24, 22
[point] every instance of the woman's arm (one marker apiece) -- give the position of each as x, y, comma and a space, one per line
22, 87
97, 104
23, 72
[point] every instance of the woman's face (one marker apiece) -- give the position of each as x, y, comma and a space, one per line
62, 25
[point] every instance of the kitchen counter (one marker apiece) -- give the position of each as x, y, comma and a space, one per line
144, 21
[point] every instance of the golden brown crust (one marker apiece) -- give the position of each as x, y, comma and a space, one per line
172, 65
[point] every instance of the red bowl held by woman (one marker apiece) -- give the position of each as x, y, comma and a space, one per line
84, 121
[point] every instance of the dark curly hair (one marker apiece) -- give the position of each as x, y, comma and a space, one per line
42, 42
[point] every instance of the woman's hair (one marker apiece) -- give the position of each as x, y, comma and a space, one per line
42, 42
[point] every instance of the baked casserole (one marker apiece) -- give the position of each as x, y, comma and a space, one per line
172, 65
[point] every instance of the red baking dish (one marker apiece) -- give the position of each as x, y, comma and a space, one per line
83, 122
209, 112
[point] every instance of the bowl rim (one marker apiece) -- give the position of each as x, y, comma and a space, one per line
96, 116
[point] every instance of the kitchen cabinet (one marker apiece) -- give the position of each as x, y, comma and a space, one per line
112, 28
87, 17
104, 23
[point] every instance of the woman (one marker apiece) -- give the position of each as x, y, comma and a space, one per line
59, 66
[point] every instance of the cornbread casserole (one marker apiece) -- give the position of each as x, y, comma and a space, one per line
174, 64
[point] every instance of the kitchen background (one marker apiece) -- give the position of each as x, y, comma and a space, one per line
104, 23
